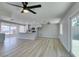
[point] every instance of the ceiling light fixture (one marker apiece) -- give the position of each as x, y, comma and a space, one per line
24, 11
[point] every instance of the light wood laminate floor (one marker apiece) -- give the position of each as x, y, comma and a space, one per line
41, 47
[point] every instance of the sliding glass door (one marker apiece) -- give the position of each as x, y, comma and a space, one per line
75, 35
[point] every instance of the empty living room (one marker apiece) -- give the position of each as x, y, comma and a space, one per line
39, 29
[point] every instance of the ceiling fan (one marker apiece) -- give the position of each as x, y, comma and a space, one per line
26, 8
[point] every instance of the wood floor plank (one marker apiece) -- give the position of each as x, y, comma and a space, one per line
41, 47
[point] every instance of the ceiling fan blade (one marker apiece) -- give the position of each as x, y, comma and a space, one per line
15, 5
23, 4
35, 6
31, 11
26, 3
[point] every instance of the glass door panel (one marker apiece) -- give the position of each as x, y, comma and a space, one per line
75, 35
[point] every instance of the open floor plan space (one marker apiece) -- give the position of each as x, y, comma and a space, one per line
39, 29
41, 47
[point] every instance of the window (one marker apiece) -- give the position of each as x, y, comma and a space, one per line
22, 29
5, 29
8, 28
61, 29
74, 21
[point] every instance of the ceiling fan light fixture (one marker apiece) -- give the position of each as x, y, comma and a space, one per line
25, 8
25, 11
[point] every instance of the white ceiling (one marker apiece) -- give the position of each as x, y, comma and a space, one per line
50, 11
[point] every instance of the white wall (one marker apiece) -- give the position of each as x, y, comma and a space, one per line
49, 30
65, 38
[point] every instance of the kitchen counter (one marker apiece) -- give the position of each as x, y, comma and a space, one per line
30, 36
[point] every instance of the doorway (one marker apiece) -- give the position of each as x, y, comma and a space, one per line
75, 35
